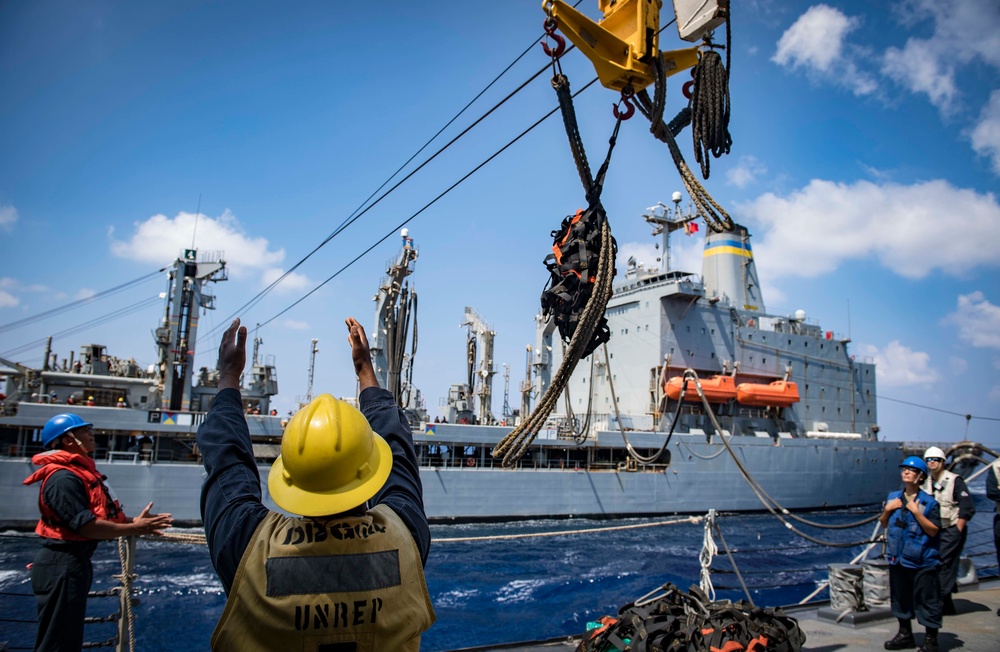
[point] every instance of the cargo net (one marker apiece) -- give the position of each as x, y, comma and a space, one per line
675, 621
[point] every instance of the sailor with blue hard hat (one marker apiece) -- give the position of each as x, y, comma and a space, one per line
912, 522
914, 462
77, 509
62, 424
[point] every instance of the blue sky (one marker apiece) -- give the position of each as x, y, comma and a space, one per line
865, 163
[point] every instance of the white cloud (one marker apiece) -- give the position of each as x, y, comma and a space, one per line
964, 31
290, 283
900, 366
958, 366
8, 216
85, 293
160, 239
745, 172
815, 43
978, 321
913, 230
985, 135
296, 325
11, 287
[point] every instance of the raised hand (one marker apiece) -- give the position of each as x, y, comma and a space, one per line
232, 355
361, 354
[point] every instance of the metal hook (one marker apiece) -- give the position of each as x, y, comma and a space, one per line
549, 24
627, 95
687, 88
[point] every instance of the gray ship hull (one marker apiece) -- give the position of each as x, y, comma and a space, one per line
798, 473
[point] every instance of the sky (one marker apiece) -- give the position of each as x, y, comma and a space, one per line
865, 163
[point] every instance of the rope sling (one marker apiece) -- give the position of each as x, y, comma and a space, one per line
575, 301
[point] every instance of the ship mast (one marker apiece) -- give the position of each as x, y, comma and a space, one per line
312, 370
665, 221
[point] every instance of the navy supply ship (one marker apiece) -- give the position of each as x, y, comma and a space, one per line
795, 406
792, 403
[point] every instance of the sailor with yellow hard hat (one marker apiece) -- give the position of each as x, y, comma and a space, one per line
348, 570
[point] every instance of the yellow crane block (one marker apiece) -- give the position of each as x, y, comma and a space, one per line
623, 44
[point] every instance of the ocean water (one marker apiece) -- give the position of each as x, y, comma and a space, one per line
496, 591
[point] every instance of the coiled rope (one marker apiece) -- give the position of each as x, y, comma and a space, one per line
710, 105
714, 215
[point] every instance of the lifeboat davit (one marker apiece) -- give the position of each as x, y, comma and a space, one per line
718, 389
780, 393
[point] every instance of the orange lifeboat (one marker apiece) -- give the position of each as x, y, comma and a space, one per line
718, 389
780, 393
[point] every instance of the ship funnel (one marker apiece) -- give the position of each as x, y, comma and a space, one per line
728, 270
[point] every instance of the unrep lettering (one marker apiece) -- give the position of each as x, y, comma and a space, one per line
332, 615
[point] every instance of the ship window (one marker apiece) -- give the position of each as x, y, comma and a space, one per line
713, 331
805, 344
751, 359
836, 348
821, 345
713, 354
763, 360
824, 409
789, 341
688, 328
703, 331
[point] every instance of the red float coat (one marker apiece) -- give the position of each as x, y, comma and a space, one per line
99, 497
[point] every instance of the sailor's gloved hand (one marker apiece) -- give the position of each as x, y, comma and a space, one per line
232, 355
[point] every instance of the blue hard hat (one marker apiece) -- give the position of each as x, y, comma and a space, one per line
914, 462
59, 425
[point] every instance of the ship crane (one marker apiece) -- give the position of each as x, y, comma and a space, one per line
480, 363
395, 313
176, 337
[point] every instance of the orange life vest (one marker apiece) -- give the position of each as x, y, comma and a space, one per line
99, 497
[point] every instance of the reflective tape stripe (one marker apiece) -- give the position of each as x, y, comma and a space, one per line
332, 573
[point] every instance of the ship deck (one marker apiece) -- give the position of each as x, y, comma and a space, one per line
973, 629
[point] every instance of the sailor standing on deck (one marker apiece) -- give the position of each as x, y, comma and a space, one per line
343, 576
993, 493
911, 519
957, 508
78, 509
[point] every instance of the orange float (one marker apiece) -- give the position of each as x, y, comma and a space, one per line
780, 393
718, 389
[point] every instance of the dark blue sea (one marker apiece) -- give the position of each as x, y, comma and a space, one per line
496, 591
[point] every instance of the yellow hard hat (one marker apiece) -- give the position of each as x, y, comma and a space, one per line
330, 460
